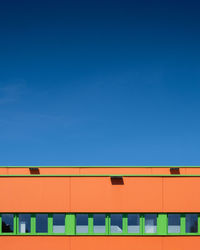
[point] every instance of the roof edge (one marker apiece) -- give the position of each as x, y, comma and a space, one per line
35, 166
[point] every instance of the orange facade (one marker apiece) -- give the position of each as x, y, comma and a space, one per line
91, 190
99, 243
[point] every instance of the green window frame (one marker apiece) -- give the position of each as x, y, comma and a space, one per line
89, 225
123, 224
157, 230
50, 224
140, 224
14, 225
182, 224
31, 224
70, 224
198, 222
106, 224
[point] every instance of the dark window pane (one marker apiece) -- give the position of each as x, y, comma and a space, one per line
116, 223
7, 223
99, 223
24, 223
82, 223
42, 223
191, 223
174, 223
150, 223
133, 223
59, 223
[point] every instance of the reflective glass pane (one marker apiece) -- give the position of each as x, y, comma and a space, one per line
58, 223
7, 223
99, 223
174, 223
133, 223
116, 223
42, 223
24, 223
82, 223
150, 223
191, 223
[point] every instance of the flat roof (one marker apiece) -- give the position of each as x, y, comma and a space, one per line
99, 166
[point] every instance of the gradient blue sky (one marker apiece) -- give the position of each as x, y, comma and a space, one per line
99, 82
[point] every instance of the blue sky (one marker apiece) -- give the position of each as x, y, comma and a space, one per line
99, 82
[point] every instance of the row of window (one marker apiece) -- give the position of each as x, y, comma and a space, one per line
99, 223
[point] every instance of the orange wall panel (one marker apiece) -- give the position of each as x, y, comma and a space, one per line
99, 170
77, 243
181, 194
34, 194
116, 243
113, 171
99, 243
181, 243
97, 194
34, 243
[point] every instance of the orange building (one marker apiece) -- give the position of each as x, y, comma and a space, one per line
95, 208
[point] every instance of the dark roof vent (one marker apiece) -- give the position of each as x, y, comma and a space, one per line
174, 170
117, 180
34, 170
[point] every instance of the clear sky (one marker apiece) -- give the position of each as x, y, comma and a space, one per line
99, 82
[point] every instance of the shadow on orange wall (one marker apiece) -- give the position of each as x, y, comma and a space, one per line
34, 171
117, 180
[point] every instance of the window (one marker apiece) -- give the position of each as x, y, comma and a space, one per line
7, 223
116, 223
133, 223
41, 223
191, 223
99, 223
150, 223
58, 223
82, 223
24, 223
174, 223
